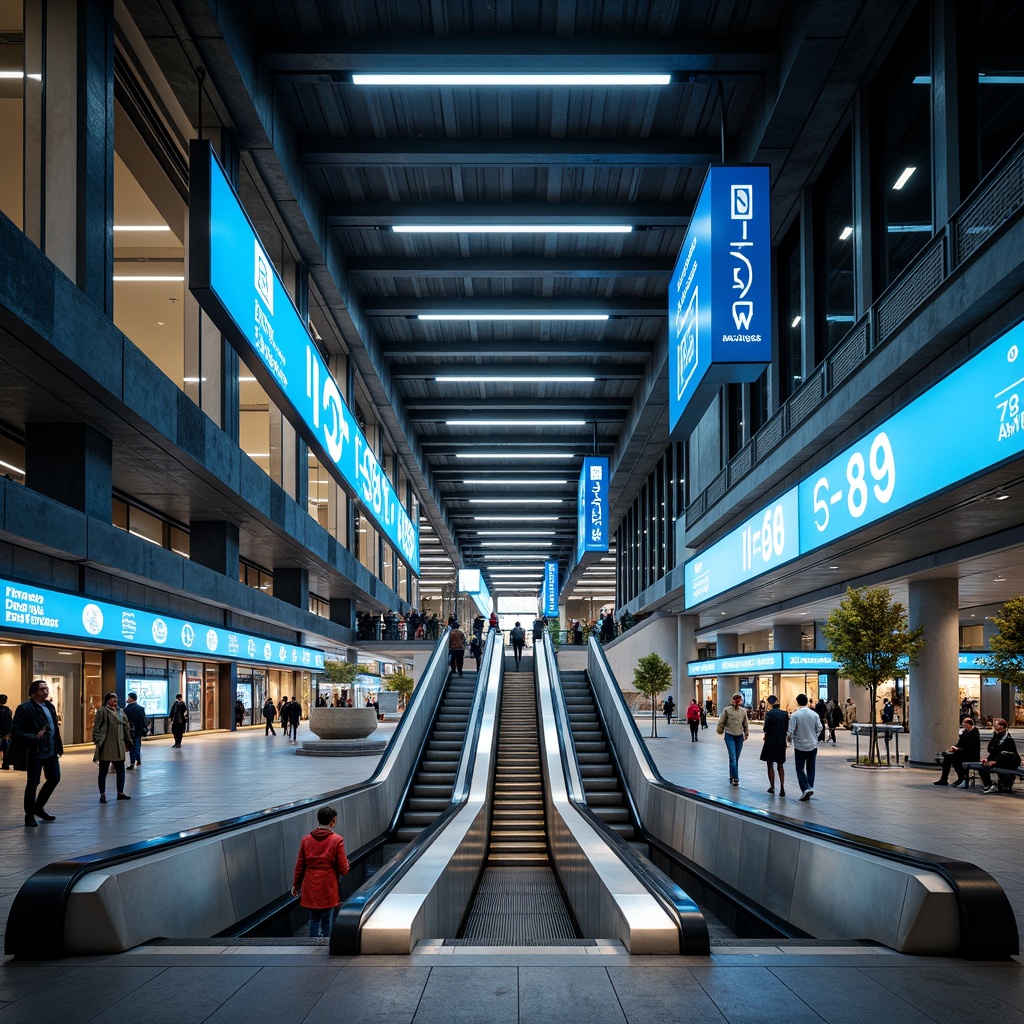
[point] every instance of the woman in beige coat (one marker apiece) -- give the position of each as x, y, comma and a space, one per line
112, 736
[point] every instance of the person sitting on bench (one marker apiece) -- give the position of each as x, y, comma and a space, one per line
1002, 754
966, 748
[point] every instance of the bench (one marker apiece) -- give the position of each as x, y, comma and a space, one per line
973, 767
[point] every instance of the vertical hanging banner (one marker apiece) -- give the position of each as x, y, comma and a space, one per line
471, 582
550, 591
592, 506
720, 296
234, 280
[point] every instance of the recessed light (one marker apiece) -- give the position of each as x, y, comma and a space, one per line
505, 316
845, 233
512, 229
515, 423
833, 566
500, 79
903, 178
514, 379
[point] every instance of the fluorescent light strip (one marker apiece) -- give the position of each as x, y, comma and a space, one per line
516, 519
18, 75
515, 380
484, 481
517, 557
515, 533
516, 544
512, 229
511, 316
496, 79
519, 501
155, 279
516, 455
845, 233
515, 423
141, 227
903, 178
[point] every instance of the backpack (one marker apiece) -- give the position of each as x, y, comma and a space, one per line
517, 636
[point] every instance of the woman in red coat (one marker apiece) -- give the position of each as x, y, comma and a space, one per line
321, 859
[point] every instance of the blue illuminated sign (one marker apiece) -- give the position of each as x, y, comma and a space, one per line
974, 661
49, 612
719, 298
768, 539
549, 592
767, 661
234, 280
471, 581
592, 506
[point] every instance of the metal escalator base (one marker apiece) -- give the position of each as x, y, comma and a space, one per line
519, 906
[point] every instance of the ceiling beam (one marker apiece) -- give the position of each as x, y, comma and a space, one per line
472, 348
376, 215
601, 371
410, 305
511, 152
509, 266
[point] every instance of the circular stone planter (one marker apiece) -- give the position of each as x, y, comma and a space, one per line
342, 723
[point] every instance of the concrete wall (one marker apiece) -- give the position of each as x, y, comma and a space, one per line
658, 635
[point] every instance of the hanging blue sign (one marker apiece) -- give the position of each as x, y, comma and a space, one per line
720, 298
766, 661
550, 590
592, 506
36, 610
471, 581
234, 280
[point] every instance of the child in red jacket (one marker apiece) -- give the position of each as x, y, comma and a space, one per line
321, 859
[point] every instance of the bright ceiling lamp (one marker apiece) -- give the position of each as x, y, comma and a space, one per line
515, 423
492, 78
515, 455
511, 316
517, 519
515, 533
903, 178
152, 278
515, 379
516, 544
519, 501
512, 229
486, 482
141, 227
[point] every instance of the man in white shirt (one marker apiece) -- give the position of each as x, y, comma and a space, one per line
804, 726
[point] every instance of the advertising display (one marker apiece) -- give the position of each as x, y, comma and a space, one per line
51, 613
471, 582
720, 296
592, 506
549, 592
915, 454
154, 693
235, 282
766, 661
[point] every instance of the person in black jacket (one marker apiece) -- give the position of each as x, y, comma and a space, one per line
36, 747
966, 748
1002, 753
6, 721
270, 713
179, 720
136, 715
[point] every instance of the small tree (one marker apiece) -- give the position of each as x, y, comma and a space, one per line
402, 684
868, 635
341, 673
652, 675
1006, 661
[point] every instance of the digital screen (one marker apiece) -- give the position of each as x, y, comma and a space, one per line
154, 693
592, 506
550, 590
720, 297
234, 280
471, 581
766, 661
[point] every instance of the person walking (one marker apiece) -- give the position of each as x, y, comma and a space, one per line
239, 713
36, 748
456, 647
6, 721
517, 636
320, 860
292, 717
734, 725
773, 751
693, 718
136, 715
179, 720
804, 726
112, 738
269, 714
668, 706
476, 650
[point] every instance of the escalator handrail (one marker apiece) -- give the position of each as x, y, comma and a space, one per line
35, 922
674, 900
988, 927
346, 933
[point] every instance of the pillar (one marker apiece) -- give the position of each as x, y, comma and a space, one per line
215, 545
686, 650
726, 645
343, 612
227, 676
112, 671
292, 586
788, 637
934, 681
71, 463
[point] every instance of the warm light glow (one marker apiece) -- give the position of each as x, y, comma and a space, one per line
497, 79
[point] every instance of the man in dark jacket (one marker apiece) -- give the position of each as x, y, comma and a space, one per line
136, 715
6, 721
966, 748
36, 747
179, 720
270, 713
1002, 753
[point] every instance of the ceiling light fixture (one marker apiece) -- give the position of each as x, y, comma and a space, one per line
845, 233
517, 519
515, 423
155, 279
514, 379
482, 482
496, 79
516, 544
515, 533
141, 227
515, 455
903, 178
796, 322
512, 229
519, 501
510, 316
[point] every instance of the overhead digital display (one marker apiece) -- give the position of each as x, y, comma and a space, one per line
549, 591
234, 280
48, 612
719, 297
918, 452
592, 506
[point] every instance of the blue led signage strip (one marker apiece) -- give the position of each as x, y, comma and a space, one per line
592, 506
915, 454
234, 280
48, 612
550, 590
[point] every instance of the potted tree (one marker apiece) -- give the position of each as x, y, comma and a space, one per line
868, 635
403, 684
1006, 659
652, 676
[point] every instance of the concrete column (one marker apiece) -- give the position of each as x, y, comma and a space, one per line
686, 650
343, 612
934, 681
292, 586
215, 545
227, 676
112, 670
787, 637
726, 645
71, 463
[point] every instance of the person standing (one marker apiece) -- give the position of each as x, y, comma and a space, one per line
112, 737
239, 713
456, 647
734, 725
320, 860
136, 715
291, 717
269, 714
517, 636
36, 748
966, 748
668, 707
849, 712
6, 721
179, 720
804, 726
773, 752
821, 710
693, 718
476, 650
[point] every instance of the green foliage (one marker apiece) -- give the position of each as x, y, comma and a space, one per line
401, 683
1006, 662
652, 675
341, 673
554, 631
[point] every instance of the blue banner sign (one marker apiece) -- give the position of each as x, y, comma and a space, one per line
549, 592
974, 661
471, 581
234, 280
48, 612
766, 661
592, 506
720, 296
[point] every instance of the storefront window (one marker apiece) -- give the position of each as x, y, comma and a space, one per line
12, 111
837, 236
62, 669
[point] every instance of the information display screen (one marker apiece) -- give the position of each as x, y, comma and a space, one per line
154, 693
592, 506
